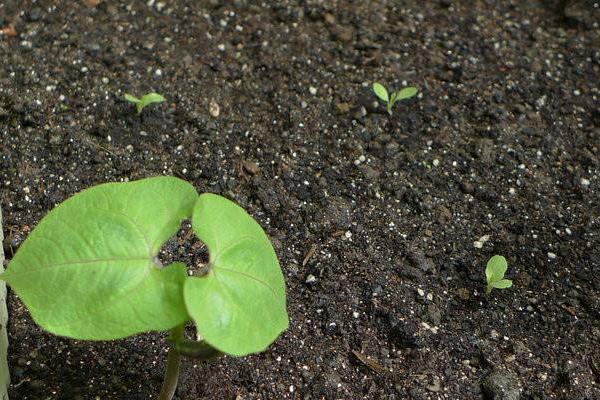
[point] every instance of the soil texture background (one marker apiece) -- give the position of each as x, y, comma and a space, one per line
383, 224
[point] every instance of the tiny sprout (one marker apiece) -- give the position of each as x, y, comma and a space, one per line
494, 274
391, 99
146, 99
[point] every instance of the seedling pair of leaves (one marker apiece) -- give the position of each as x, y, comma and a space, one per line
494, 274
391, 98
145, 100
90, 269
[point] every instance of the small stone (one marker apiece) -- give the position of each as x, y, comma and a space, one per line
551, 255
250, 167
502, 384
343, 108
467, 188
434, 313
329, 19
342, 33
310, 278
435, 386
9, 31
214, 109
463, 293
312, 90
359, 112
478, 244
585, 182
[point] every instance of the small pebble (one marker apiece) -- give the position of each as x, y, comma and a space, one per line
214, 109
478, 244
585, 182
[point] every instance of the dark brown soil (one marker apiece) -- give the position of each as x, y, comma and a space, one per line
380, 222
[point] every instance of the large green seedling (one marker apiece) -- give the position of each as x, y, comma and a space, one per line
90, 271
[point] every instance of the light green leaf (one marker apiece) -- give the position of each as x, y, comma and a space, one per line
239, 307
151, 98
407, 93
89, 269
496, 268
131, 99
393, 98
381, 91
502, 284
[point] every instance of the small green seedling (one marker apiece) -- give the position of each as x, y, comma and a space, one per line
146, 99
494, 274
90, 271
392, 98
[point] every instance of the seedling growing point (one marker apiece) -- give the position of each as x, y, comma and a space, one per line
146, 99
494, 274
391, 99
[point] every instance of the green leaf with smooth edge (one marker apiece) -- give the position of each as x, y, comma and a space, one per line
149, 99
406, 93
381, 91
495, 269
239, 306
131, 99
502, 284
88, 270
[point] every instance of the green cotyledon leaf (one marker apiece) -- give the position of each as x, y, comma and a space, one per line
239, 306
495, 268
89, 269
149, 99
381, 91
406, 93
501, 284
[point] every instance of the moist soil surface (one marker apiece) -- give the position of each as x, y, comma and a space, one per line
383, 224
